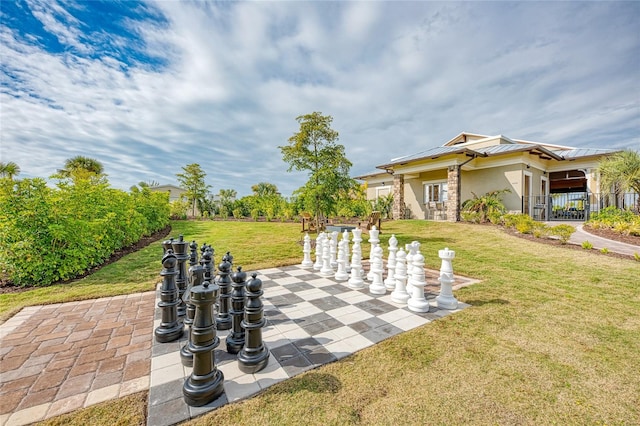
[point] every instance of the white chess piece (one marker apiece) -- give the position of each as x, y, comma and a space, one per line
417, 302
318, 265
345, 241
390, 281
306, 250
399, 294
412, 250
333, 259
377, 286
446, 300
326, 270
341, 273
373, 241
355, 279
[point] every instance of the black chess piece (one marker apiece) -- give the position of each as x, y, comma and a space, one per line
205, 383
193, 254
166, 245
197, 278
254, 356
235, 339
169, 329
180, 250
223, 319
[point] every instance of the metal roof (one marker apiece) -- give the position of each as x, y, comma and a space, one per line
564, 154
568, 154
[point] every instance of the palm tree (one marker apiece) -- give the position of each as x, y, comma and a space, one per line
621, 172
82, 167
9, 169
486, 205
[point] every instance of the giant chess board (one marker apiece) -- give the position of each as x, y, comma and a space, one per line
311, 320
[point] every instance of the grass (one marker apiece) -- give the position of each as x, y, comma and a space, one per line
552, 337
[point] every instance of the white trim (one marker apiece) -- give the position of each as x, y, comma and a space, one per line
385, 187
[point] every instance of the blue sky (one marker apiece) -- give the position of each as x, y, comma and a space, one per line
148, 87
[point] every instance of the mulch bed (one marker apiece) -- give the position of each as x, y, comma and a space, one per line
9, 287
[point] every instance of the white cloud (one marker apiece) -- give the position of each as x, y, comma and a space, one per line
396, 77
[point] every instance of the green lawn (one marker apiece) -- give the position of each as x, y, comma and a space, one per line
553, 336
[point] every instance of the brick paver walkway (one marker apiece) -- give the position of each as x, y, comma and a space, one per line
59, 358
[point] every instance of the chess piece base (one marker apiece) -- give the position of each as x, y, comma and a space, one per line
203, 390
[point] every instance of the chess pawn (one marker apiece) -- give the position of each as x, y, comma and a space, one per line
446, 300
254, 355
333, 249
373, 241
326, 270
399, 294
341, 273
235, 339
417, 302
306, 250
318, 265
355, 278
390, 282
223, 319
193, 254
196, 273
169, 329
377, 286
205, 383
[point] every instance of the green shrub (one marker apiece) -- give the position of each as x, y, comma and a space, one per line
51, 234
540, 230
237, 213
563, 232
525, 224
604, 250
509, 220
469, 216
587, 245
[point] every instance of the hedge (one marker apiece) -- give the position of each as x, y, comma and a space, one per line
51, 234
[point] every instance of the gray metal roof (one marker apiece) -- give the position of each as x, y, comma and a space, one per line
583, 152
564, 154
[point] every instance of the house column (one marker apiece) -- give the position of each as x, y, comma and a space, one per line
453, 201
398, 197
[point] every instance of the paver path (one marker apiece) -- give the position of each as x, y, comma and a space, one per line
59, 358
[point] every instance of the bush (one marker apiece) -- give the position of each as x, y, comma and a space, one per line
563, 232
587, 245
525, 224
51, 234
540, 230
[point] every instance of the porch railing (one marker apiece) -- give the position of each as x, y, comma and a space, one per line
576, 206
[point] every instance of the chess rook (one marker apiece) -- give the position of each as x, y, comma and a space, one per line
205, 383
446, 300
169, 329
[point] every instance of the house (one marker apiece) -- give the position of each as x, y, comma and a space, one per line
543, 180
175, 192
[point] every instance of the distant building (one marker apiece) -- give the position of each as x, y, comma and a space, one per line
545, 181
175, 192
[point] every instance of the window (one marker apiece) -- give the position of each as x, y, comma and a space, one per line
436, 191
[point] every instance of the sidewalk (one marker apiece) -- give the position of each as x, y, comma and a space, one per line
599, 243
